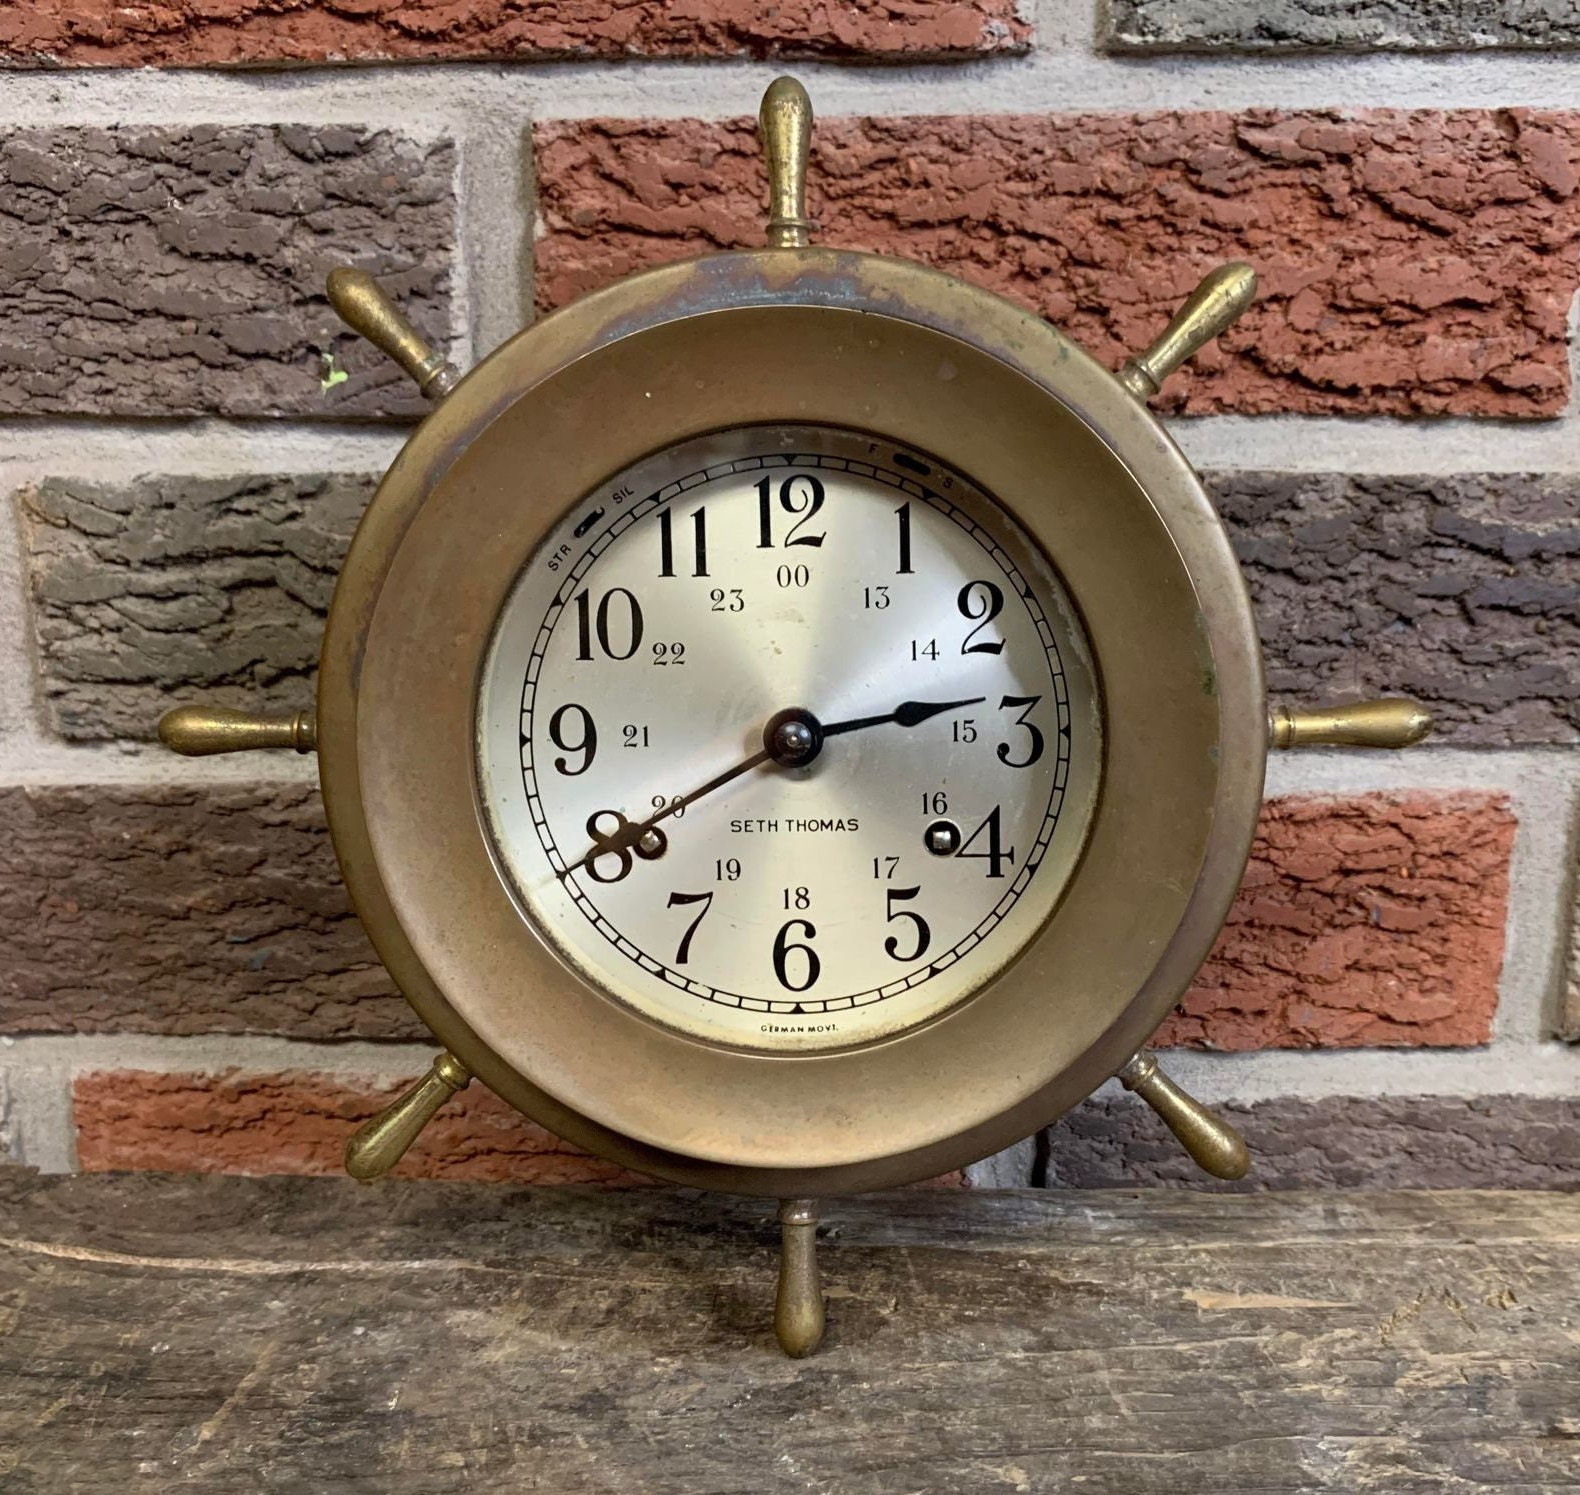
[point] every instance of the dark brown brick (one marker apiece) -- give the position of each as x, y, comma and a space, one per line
1363, 921
1463, 591
202, 33
1339, 1142
179, 271
168, 590
1410, 262
175, 910
1336, 25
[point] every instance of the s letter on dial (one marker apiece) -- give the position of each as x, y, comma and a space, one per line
788, 739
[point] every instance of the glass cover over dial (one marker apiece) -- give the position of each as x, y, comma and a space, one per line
788, 738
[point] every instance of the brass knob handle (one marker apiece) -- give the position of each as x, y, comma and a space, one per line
381, 1142
366, 308
199, 731
798, 1305
1391, 723
785, 123
1210, 310
1215, 1146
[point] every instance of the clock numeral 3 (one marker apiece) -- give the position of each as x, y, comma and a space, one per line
1034, 744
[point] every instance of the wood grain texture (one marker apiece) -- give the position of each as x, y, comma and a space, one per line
309, 1335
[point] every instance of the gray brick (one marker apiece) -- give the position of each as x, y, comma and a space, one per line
179, 271
1462, 591
1341, 1142
213, 909
174, 589
1337, 25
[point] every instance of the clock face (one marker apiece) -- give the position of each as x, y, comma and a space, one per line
788, 738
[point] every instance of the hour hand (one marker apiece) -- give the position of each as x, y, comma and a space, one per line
906, 714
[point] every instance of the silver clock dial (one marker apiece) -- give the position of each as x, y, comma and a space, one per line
788, 738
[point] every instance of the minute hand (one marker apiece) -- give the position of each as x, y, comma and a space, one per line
906, 714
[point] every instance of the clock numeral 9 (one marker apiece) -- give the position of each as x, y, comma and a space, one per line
599, 621
801, 494
924, 935
586, 743
784, 946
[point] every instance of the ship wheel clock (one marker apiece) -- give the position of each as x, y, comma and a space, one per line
791, 722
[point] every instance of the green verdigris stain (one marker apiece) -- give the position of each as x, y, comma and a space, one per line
332, 375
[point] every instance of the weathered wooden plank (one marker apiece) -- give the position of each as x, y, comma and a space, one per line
307, 1335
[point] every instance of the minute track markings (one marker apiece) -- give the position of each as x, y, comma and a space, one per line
987, 542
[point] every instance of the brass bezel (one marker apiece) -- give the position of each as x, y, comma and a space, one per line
861, 341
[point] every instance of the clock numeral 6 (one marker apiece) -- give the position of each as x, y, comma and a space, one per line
784, 946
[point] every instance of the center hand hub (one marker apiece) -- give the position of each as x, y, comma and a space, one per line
793, 737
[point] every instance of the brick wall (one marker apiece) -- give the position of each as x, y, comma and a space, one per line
187, 439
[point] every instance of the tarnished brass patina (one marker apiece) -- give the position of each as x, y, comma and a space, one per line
925, 363
785, 120
381, 1142
798, 1304
366, 308
1208, 312
200, 731
1393, 723
1214, 1146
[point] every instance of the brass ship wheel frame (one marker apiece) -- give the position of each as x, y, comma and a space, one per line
1186, 724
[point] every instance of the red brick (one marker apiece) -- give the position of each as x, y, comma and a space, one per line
196, 33
298, 1122
1410, 262
1362, 922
